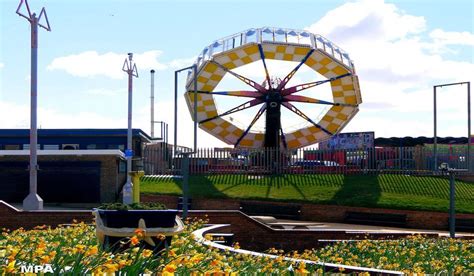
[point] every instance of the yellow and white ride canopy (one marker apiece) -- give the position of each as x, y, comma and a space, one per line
307, 49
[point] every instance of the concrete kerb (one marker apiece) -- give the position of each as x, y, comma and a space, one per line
199, 237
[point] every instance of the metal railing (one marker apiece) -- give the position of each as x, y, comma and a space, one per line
159, 159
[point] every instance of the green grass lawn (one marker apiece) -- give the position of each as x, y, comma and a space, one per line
382, 191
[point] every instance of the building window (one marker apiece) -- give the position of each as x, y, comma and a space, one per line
12, 147
51, 147
27, 146
91, 146
120, 147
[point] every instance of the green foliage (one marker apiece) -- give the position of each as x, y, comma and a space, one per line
133, 206
73, 250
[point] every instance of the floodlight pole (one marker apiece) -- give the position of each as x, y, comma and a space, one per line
435, 138
131, 69
33, 201
152, 104
185, 155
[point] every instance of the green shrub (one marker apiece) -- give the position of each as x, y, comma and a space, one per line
133, 206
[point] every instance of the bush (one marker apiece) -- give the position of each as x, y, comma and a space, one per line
133, 206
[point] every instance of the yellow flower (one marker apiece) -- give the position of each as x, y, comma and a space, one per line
92, 251
147, 253
111, 267
161, 237
10, 267
80, 248
172, 253
302, 268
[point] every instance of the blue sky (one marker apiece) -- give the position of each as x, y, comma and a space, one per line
400, 49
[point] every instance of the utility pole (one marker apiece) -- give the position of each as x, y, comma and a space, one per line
33, 201
131, 69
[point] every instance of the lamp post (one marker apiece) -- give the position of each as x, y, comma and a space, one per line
33, 201
444, 167
185, 154
131, 69
435, 138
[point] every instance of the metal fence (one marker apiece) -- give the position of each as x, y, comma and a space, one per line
160, 159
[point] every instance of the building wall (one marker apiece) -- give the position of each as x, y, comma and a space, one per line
315, 212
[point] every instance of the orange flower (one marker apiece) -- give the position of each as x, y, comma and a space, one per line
215, 262
46, 259
134, 240
139, 232
171, 268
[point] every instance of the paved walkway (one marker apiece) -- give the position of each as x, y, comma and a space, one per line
328, 226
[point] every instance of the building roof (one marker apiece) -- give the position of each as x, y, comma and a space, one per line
79, 132
414, 141
112, 152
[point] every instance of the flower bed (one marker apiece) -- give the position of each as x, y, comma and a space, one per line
79, 254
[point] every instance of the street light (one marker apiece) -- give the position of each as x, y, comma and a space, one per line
185, 154
131, 69
435, 139
33, 201
444, 167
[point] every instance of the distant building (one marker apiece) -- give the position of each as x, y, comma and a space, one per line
75, 165
74, 139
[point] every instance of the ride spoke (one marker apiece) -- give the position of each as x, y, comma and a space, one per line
255, 119
300, 87
241, 107
304, 99
298, 112
293, 72
262, 56
250, 82
241, 93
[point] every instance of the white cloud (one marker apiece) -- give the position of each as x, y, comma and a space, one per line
2, 65
397, 66
386, 45
457, 38
91, 63
370, 20
181, 62
105, 92
54, 118
51, 118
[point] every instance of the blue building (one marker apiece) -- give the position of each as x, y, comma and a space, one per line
75, 165
69, 139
